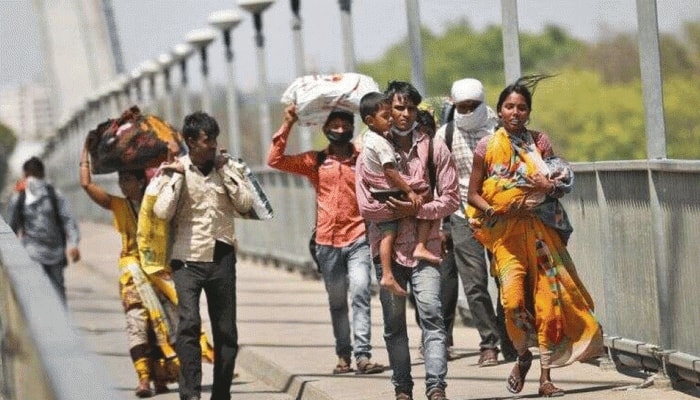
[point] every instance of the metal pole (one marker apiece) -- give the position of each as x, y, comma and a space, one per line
511, 40
206, 96
652, 91
349, 61
232, 100
304, 132
298, 39
652, 84
414, 40
184, 92
265, 125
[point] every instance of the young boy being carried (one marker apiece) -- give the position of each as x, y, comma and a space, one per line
379, 157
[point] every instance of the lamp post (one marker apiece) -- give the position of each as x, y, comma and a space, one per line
298, 39
166, 61
305, 132
256, 7
200, 39
226, 21
150, 69
415, 42
122, 94
181, 53
136, 83
348, 41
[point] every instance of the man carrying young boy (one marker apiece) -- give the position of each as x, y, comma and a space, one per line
379, 159
416, 153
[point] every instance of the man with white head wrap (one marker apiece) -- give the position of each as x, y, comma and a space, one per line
473, 120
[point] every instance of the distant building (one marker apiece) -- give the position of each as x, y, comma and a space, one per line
27, 110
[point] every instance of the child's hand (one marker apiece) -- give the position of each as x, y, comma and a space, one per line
389, 283
416, 200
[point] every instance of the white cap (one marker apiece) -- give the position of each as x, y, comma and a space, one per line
467, 89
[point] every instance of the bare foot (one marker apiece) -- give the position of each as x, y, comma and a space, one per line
390, 284
421, 253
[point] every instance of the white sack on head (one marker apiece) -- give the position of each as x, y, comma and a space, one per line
317, 95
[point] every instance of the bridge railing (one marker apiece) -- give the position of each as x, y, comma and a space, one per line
41, 357
637, 225
635, 244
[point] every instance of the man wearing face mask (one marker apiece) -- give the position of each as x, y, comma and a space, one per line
473, 120
342, 249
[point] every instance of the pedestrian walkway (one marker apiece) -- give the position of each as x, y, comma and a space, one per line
286, 340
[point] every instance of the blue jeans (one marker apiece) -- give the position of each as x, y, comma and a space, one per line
425, 283
342, 267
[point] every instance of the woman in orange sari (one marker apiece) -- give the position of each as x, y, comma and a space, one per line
515, 213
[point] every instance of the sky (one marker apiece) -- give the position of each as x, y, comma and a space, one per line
148, 28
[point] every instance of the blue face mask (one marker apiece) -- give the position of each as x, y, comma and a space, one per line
339, 137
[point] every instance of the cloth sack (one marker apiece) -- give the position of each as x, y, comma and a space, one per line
317, 95
153, 233
132, 141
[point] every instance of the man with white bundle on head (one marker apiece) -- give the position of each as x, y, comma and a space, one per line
473, 120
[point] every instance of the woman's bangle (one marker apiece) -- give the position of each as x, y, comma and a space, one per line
84, 163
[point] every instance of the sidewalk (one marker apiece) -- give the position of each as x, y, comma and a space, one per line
286, 340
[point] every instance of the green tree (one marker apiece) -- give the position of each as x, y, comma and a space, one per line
8, 140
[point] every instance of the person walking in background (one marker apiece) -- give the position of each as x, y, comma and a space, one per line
420, 157
148, 311
341, 246
201, 197
473, 120
41, 218
514, 210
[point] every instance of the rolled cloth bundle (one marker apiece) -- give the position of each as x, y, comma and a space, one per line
132, 141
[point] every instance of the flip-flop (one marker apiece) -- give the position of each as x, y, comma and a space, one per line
365, 366
516, 379
547, 389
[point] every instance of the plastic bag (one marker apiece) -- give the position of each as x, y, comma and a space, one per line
132, 141
317, 95
261, 209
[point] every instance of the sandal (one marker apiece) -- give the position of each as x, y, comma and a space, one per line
547, 389
343, 366
365, 366
516, 379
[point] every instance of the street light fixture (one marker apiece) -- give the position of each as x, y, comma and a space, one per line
226, 21
135, 75
181, 52
166, 61
200, 39
256, 7
150, 68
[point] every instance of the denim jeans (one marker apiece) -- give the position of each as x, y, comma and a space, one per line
342, 267
218, 280
425, 282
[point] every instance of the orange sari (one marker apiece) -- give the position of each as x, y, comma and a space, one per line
545, 302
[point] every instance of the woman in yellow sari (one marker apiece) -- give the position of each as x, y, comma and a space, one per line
514, 211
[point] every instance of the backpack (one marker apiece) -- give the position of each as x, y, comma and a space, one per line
17, 219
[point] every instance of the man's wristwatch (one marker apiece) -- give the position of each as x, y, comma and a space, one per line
489, 212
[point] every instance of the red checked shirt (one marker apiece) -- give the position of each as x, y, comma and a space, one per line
338, 220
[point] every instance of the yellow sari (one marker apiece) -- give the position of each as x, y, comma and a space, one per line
545, 302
